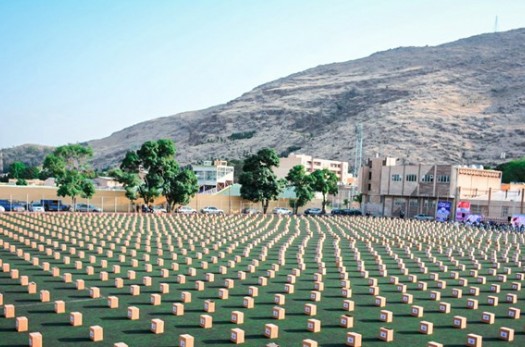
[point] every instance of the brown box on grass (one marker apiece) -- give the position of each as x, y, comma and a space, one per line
132, 274
353, 339
380, 301
310, 309
488, 317
45, 296
22, 324
348, 305
386, 316
459, 322
223, 293
209, 306
147, 281
248, 302
31, 288
155, 299
133, 313
157, 326
309, 343
313, 325
186, 340
407, 298
416, 311
435, 295
94, 292
514, 313
444, 307
134, 290
315, 296
35, 339
206, 321
346, 321
60, 306
253, 291
96, 333
75, 319
474, 291
237, 317
289, 288
474, 340
506, 334
113, 302
373, 291
164, 288
472, 304
511, 298
278, 312
426, 328
9, 311
434, 344
492, 300
237, 336
271, 331
177, 309
279, 299
386, 334
262, 281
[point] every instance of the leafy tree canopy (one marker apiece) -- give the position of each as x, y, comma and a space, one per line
179, 187
259, 183
513, 171
325, 182
302, 184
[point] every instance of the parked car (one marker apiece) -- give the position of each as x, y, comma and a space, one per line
6, 204
249, 210
186, 210
87, 208
314, 211
346, 212
211, 210
36, 207
54, 205
2, 209
158, 209
282, 210
18, 206
423, 216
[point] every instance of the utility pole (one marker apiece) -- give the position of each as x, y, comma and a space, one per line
358, 157
496, 25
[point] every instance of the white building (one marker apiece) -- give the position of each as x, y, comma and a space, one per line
311, 164
213, 177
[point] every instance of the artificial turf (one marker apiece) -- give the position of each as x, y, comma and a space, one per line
310, 246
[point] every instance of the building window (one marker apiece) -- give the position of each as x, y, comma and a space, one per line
504, 211
444, 179
396, 178
411, 178
427, 178
369, 187
370, 175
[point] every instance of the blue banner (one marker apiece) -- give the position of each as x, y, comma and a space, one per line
443, 211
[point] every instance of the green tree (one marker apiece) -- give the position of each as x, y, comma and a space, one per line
325, 182
145, 171
179, 187
259, 183
70, 166
17, 169
21, 182
513, 171
302, 184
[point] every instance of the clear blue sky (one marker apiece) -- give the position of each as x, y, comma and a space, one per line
72, 71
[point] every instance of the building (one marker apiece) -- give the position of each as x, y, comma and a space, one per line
311, 164
213, 177
391, 188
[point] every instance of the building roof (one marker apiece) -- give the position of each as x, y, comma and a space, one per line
500, 195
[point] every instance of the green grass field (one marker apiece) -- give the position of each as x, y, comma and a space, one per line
327, 248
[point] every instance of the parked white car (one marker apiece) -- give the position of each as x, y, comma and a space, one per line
282, 210
36, 207
186, 210
211, 210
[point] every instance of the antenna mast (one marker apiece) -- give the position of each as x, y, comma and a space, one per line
358, 158
496, 25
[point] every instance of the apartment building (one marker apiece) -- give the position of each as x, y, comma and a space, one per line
311, 164
391, 188
213, 176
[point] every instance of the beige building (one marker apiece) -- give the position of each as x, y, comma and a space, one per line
213, 177
390, 188
311, 164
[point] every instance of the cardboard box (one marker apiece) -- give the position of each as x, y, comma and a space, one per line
45, 296
278, 313
133, 313
353, 339
346, 321
31, 288
444, 307
315, 296
223, 293
309, 343
459, 322
253, 291
9, 311
506, 334
426, 328
472, 304
134, 290
155, 299
262, 281
435, 295
147, 281
380, 301
177, 309
407, 298
488, 317
313, 325
474, 340
416, 311
237, 336
492, 300
386, 316
22, 324
186, 340
289, 288
206, 321
310, 309
248, 302
96, 333
386, 334
348, 305
237, 317
434, 344
35, 339
514, 313
75, 319
271, 331
94, 292
60, 306
457, 293
164, 288
279, 299
157, 326
474, 291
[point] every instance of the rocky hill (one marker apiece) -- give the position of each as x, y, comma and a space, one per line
460, 103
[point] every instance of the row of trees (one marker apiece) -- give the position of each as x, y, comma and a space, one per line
152, 171
260, 184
